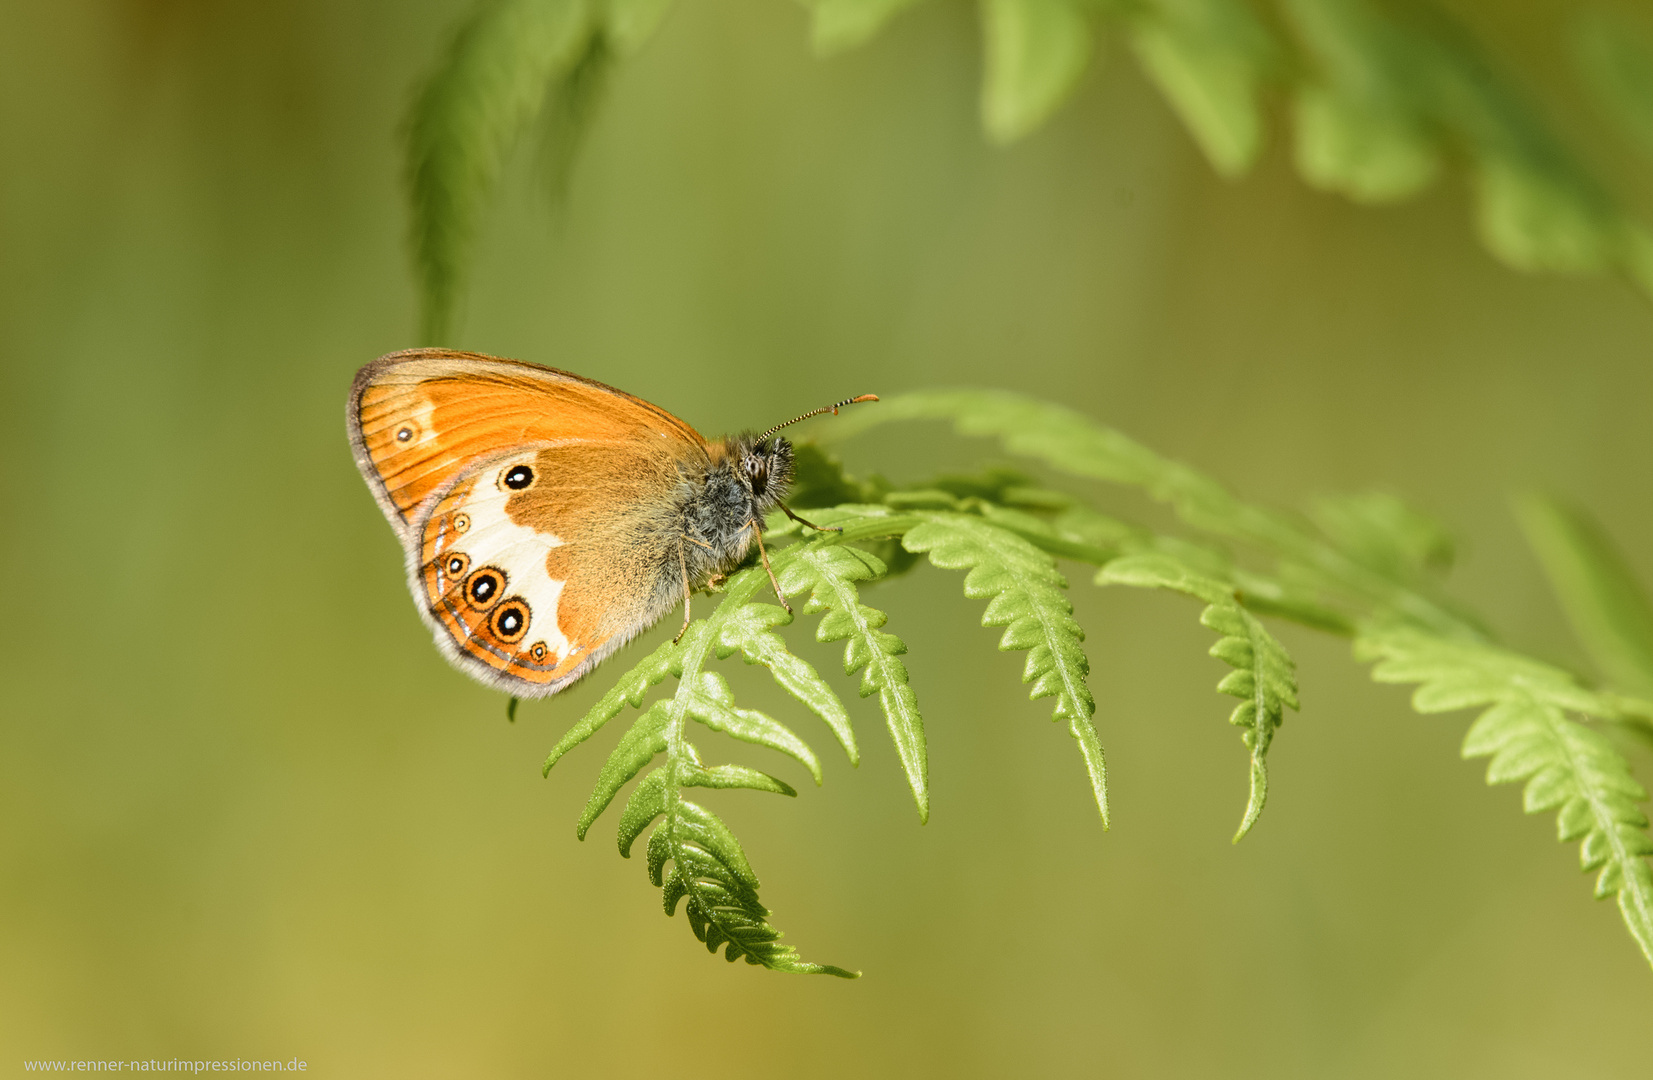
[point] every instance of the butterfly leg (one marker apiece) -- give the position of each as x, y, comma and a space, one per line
716, 579
683, 565
810, 524
753, 525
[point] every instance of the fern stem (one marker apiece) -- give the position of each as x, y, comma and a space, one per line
1073, 443
1262, 729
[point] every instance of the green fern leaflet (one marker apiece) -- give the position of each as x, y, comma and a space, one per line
1025, 594
1264, 677
1567, 767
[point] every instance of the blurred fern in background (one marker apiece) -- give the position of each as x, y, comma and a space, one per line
1383, 98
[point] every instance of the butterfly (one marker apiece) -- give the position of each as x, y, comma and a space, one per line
546, 518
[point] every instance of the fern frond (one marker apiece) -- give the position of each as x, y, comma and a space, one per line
630, 23
1381, 99
708, 868
710, 872
1026, 596
504, 63
711, 703
1383, 95
1372, 556
819, 479
471, 110
1035, 52
831, 572
1264, 677
1361, 128
1209, 58
1075, 444
1385, 535
1566, 766
1390, 95
629, 689
837, 25
1053, 537
571, 104
736, 625
749, 630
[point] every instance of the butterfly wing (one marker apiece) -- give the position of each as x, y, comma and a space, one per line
538, 510
417, 418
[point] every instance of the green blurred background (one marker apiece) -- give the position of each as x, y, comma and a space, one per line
246, 810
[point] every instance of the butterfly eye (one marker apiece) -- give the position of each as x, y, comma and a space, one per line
519, 477
510, 622
404, 434
757, 472
484, 587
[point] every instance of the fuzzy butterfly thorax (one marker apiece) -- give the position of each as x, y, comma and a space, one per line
746, 480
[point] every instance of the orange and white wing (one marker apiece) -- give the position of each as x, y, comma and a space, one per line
535, 507
418, 418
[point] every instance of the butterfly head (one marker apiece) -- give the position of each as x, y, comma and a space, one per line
765, 461
764, 466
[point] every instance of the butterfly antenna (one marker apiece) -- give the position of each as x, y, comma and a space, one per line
833, 409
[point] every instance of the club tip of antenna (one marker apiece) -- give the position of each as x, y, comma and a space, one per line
863, 397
